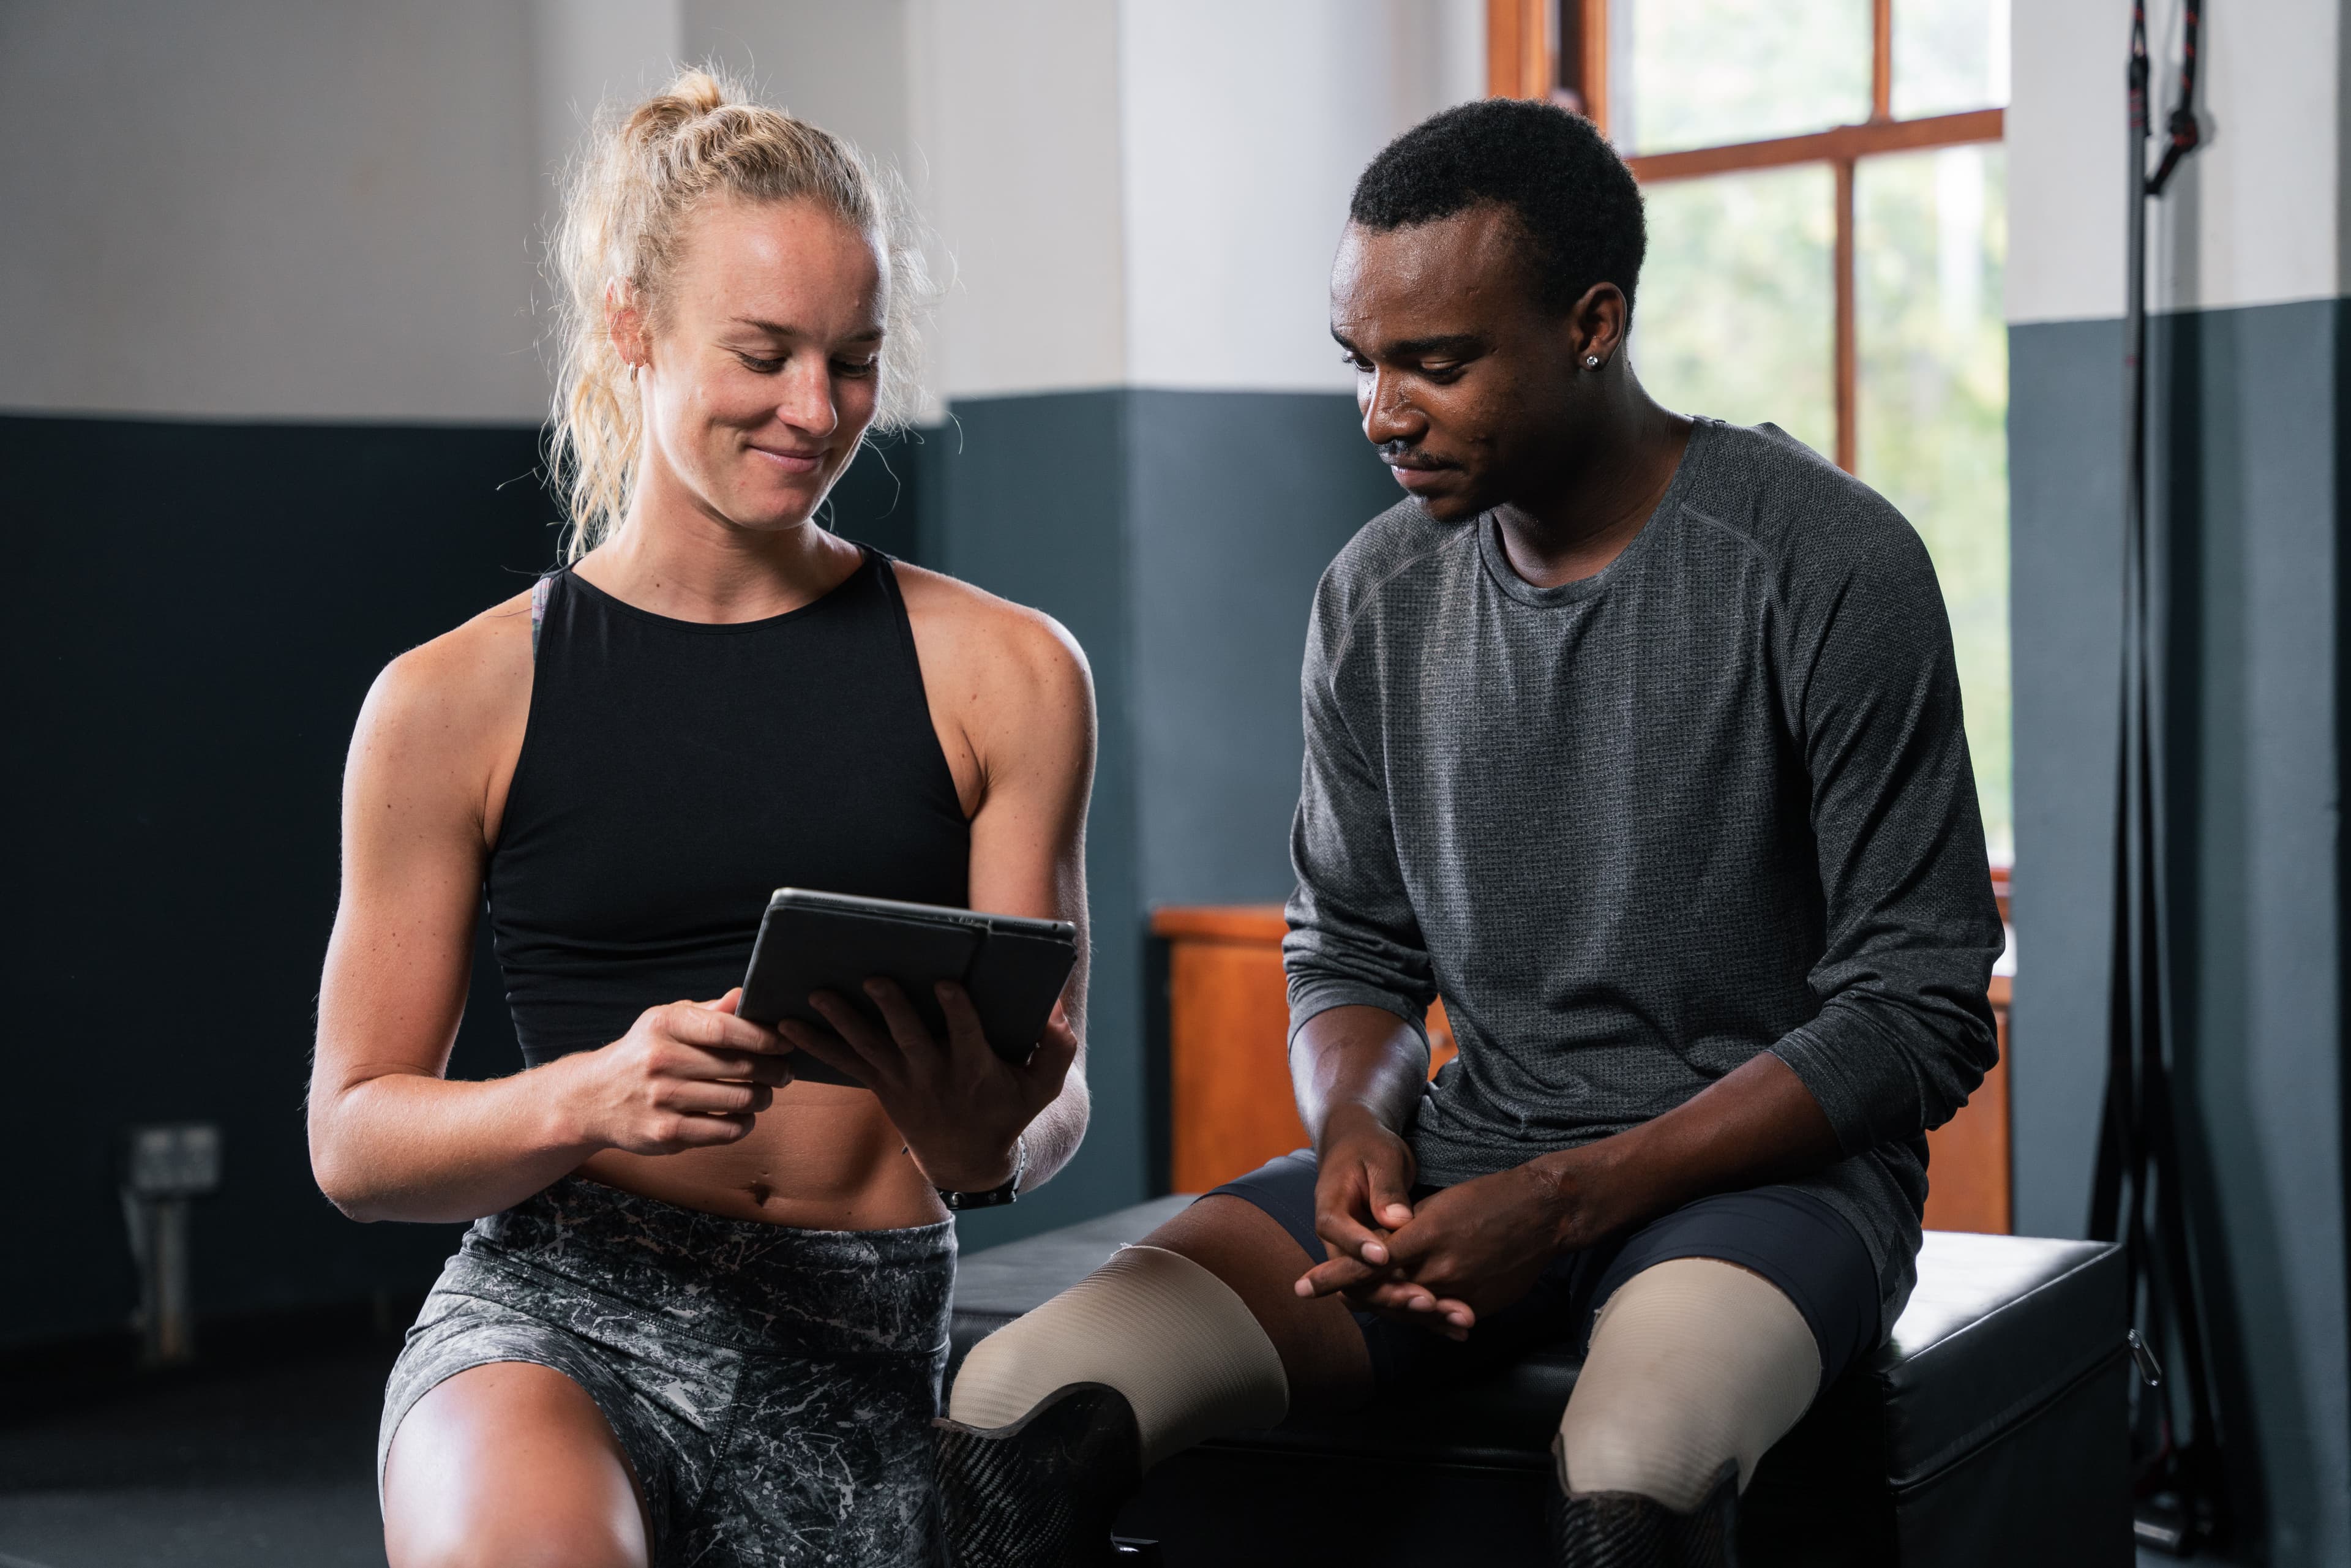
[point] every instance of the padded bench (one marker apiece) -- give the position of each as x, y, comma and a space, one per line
1990, 1431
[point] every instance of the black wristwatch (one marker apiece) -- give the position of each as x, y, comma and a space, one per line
995, 1197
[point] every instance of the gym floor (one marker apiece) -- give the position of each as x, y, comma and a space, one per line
260, 1455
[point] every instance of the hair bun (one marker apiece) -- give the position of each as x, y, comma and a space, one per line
699, 91
692, 95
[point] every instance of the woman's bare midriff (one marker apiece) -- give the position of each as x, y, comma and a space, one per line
822, 1158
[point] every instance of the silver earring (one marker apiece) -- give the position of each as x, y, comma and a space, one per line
1591, 361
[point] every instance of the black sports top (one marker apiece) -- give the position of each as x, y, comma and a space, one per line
675, 774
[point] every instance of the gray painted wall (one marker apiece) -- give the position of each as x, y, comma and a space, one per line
253, 209
2249, 415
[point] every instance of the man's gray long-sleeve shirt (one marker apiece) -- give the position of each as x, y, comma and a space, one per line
1638, 829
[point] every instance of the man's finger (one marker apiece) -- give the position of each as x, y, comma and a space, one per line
1395, 1296
1460, 1313
1391, 1197
1341, 1209
1434, 1323
1348, 1235
1338, 1274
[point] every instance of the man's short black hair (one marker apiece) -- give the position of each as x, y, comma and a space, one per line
1575, 200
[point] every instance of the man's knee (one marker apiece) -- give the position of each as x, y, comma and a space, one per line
1694, 1364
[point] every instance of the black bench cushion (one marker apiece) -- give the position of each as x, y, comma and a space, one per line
1998, 1327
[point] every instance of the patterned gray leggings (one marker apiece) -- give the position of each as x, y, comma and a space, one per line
773, 1389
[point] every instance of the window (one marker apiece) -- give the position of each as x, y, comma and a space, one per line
1827, 236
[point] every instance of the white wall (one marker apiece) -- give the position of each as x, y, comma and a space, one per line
1245, 127
842, 66
1015, 159
268, 209
587, 55
2253, 218
1149, 194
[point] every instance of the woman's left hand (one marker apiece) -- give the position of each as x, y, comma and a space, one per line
958, 1104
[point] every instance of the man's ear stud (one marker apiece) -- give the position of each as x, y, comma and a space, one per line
1591, 361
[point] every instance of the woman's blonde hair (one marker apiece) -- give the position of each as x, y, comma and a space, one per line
624, 202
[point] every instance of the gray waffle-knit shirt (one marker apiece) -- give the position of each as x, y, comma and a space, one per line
1635, 829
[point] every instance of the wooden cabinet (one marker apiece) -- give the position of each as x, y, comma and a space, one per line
1229, 1103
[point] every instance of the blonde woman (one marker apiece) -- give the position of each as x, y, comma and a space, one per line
701, 1313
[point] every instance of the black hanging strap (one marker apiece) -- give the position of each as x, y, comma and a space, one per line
2137, 1197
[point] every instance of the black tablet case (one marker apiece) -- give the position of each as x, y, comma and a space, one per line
1014, 976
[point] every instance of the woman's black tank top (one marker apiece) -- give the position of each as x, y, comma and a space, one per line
675, 774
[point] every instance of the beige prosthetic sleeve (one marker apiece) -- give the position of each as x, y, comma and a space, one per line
1159, 1328
1693, 1362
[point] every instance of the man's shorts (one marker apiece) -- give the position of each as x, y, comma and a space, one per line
1788, 1236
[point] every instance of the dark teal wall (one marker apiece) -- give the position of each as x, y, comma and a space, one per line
1236, 502
1028, 501
207, 604
1178, 536
197, 610
2249, 506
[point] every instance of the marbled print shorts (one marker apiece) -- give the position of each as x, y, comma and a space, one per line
773, 1389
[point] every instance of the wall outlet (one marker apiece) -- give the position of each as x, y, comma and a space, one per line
182, 1159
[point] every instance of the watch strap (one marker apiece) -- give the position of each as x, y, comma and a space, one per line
995, 1197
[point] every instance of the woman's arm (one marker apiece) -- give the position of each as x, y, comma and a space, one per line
1013, 702
1036, 746
390, 1137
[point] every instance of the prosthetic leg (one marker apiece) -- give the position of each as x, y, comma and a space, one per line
1625, 1529
1054, 1418
1696, 1367
1041, 1492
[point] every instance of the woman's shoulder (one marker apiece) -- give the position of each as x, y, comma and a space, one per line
461, 689
980, 631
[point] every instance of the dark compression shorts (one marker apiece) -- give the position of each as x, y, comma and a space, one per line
1788, 1236
772, 1388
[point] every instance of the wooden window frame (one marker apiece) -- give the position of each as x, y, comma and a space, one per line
1558, 49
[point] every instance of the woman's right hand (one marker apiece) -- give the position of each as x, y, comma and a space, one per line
687, 1075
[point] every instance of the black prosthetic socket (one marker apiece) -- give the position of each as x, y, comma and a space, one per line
1041, 1492
1625, 1529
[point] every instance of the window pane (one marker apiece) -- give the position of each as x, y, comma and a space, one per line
1930, 246
1700, 73
1733, 314
1949, 55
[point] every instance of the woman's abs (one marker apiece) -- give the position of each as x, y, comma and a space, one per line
822, 1158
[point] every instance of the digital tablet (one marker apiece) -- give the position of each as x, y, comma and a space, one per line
1014, 968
